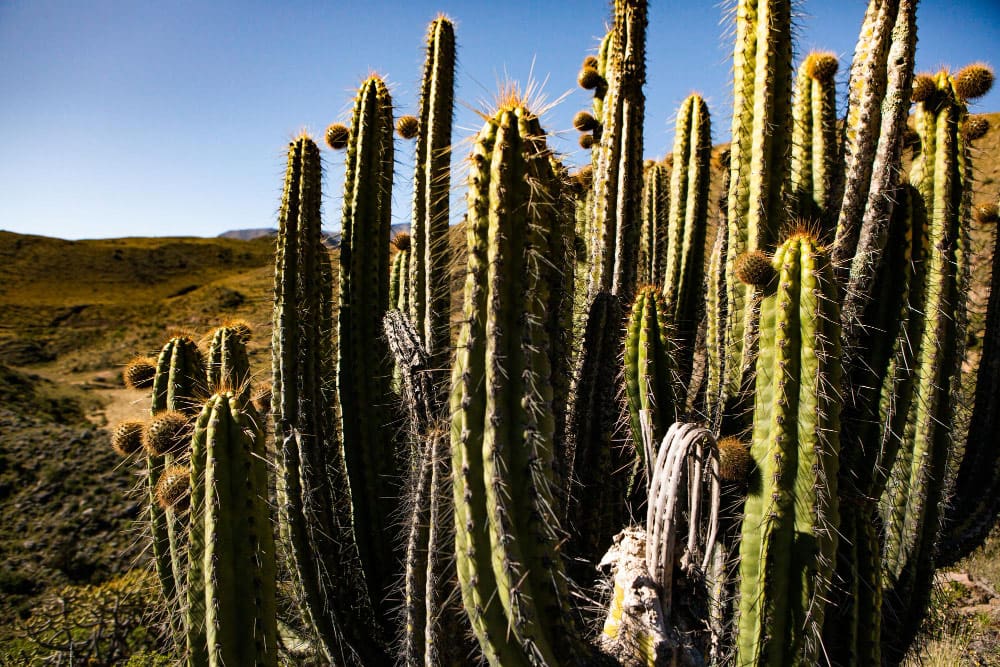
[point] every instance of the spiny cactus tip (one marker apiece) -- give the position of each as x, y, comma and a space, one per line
987, 213
402, 241
821, 66
172, 487
126, 439
166, 433
734, 459
139, 373
923, 87
262, 398
590, 79
408, 127
584, 122
754, 268
241, 328
973, 81
337, 136
590, 61
586, 141
976, 127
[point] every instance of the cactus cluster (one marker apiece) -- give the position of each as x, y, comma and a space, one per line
484, 499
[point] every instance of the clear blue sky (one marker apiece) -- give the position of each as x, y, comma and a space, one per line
139, 118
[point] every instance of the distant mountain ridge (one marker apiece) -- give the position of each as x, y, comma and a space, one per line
332, 238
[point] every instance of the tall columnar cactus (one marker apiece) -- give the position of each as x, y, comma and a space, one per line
228, 364
912, 501
314, 497
429, 267
759, 158
878, 105
716, 312
178, 383
790, 524
649, 367
232, 617
653, 234
618, 168
685, 265
502, 427
815, 158
363, 365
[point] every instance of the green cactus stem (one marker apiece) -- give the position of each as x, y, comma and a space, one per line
502, 426
688, 221
232, 547
791, 517
815, 158
759, 159
653, 235
618, 168
228, 363
314, 498
363, 365
399, 281
429, 268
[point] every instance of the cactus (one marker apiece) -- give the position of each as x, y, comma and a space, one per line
815, 156
649, 367
502, 426
653, 235
429, 267
759, 160
228, 364
363, 358
790, 524
231, 548
911, 503
685, 262
399, 281
618, 168
313, 492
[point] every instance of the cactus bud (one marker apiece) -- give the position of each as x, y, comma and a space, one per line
402, 241
585, 177
590, 79
337, 136
923, 87
139, 373
722, 159
973, 81
976, 127
126, 439
590, 62
586, 141
754, 268
166, 434
408, 127
584, 122
262, 398
241, 328
821, 66
172, 489
734, 459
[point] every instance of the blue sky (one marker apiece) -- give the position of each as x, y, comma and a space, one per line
137, 118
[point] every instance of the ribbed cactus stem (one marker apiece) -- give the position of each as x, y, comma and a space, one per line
363, 370
618, 169
790, 523
238, 567
759, 161
912, 502
688, 222
429, 267
649, 367
228, 363
653, 235
502, 429
815, 157
399, 282
314, 498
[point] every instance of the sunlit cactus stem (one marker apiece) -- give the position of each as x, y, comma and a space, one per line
791, 517
815, 157
502, 425
653, 234
429, 266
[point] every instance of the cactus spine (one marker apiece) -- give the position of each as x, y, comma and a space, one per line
502, 427
685, 265
429, 267
789, 529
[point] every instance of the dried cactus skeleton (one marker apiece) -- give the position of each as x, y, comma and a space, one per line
792, 520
